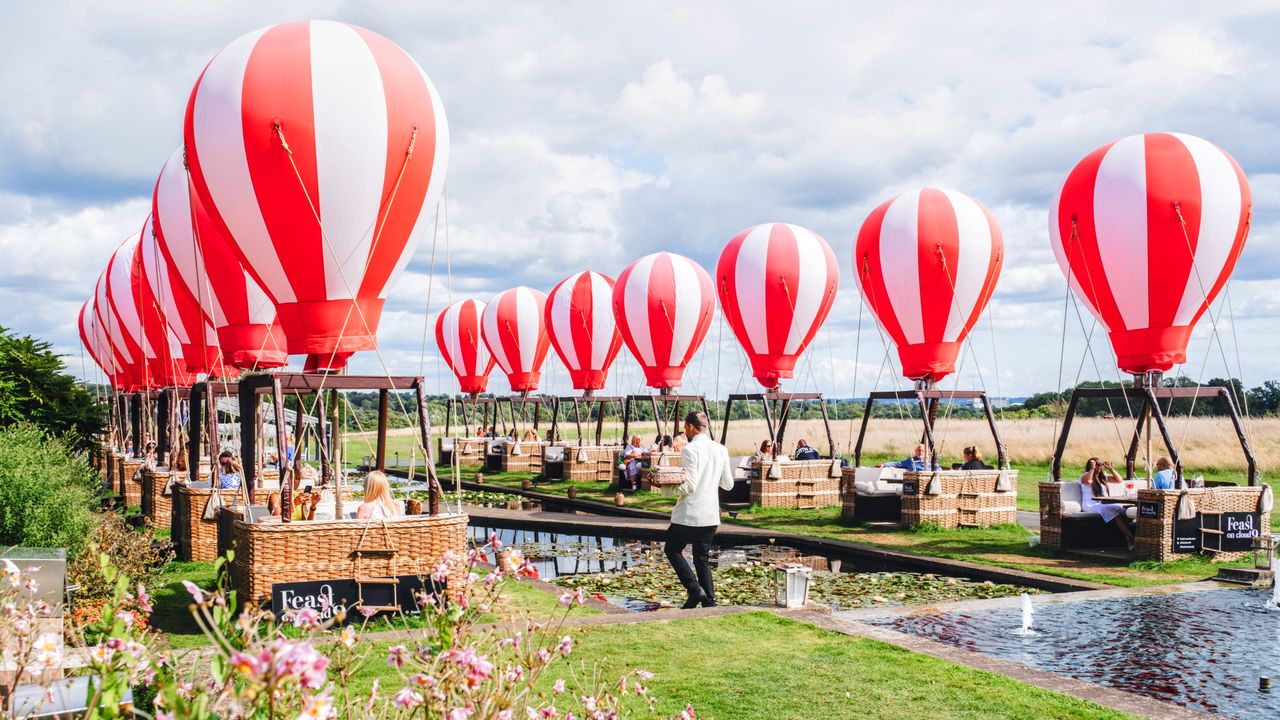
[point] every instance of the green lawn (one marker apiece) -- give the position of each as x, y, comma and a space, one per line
760, 666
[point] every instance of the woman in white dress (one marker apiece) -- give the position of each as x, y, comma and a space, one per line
1093, 484
378, 503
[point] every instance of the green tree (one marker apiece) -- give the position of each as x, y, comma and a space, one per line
45, 491
35, 388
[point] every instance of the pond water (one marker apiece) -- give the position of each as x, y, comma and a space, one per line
1204, 650
637, 576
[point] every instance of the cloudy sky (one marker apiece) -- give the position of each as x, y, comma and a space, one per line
586, 134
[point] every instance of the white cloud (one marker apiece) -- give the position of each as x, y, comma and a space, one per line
587, 135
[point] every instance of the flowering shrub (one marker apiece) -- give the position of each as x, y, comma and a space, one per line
129, 551
302, 667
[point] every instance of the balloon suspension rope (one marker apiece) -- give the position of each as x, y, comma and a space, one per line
378, 221
884, 341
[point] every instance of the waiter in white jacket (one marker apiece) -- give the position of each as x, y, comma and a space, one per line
697, 513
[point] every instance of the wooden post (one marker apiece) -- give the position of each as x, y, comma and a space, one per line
326, 468
862, 432
383, 407
285, 467
600, 423
424, 426
826, 422
335, 443
1056, 463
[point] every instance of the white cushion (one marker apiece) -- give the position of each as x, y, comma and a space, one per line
892, 473
1070, 506
1131, 512
1070, 494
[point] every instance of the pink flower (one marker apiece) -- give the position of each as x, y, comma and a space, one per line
549, 712
495, 542
125, 617
246, 665
558, 687
566, 599
408, 699
144, 600
316, 708
644, 674
373, 697
396, 657
196, 593
566, 645
687, 713
424, 681
307, 618
458, 714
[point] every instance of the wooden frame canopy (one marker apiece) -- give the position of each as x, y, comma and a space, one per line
928, 400
777, 430
276, 384
669, 399
1149, 412
603, 401
202, 415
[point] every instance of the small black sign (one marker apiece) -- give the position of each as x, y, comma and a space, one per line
910, 487
1149, 509
327, 596
1186, 535
1239, 529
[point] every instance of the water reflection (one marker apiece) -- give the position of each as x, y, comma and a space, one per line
1204, 650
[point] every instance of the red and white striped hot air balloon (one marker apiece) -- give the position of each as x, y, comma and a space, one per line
777, 283
107, 327
515, 333
167, 368
1147, 230
126, 320
314, 146
927, 262
663, 304
196, 337
461, 341
92, 338
203, 269
579, 317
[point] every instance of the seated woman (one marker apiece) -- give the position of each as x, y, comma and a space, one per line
378, 503
632, 457
530, 435
678, 442
179, 460
305, 500
973, 460
1093, 485
228, 471
765, 453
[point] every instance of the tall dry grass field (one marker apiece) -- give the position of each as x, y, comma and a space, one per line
1203, 442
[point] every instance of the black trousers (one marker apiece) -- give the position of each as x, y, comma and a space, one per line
678, 538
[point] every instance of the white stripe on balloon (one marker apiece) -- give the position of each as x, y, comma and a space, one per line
900, 263
1220, 199
1120, 221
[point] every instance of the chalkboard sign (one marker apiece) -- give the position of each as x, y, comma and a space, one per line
1239, 529
910, 487
1186, 535
1149, 509
327, 596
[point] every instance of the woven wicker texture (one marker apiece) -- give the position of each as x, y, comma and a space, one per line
268, 553
131, 481
194, 538
1155, 535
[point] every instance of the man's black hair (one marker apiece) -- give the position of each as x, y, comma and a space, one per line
698, 419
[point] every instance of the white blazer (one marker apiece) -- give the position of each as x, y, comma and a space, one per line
705, 463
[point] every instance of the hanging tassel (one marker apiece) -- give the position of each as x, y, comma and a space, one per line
1003, 483
583, 455
1186, 507
515, 449
1266, 500
413, 461
836, 470
934, 487
662, 459
775, 471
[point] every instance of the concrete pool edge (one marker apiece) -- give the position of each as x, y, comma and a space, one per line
1120, 700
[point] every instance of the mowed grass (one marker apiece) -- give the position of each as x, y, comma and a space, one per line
758, 666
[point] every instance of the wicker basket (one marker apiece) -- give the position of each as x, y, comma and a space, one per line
1155, 534
529, 460
795, 470
269, 553
466, 451
131, 481
596, 462
194, 538
1051, 515
111, 465
795, 493
968, 498
657, 478
848, 494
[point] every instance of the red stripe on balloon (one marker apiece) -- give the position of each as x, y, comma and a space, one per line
1081, 250
1171, 173
870, 271
278, 86
781, 282
939, 232
662, 300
